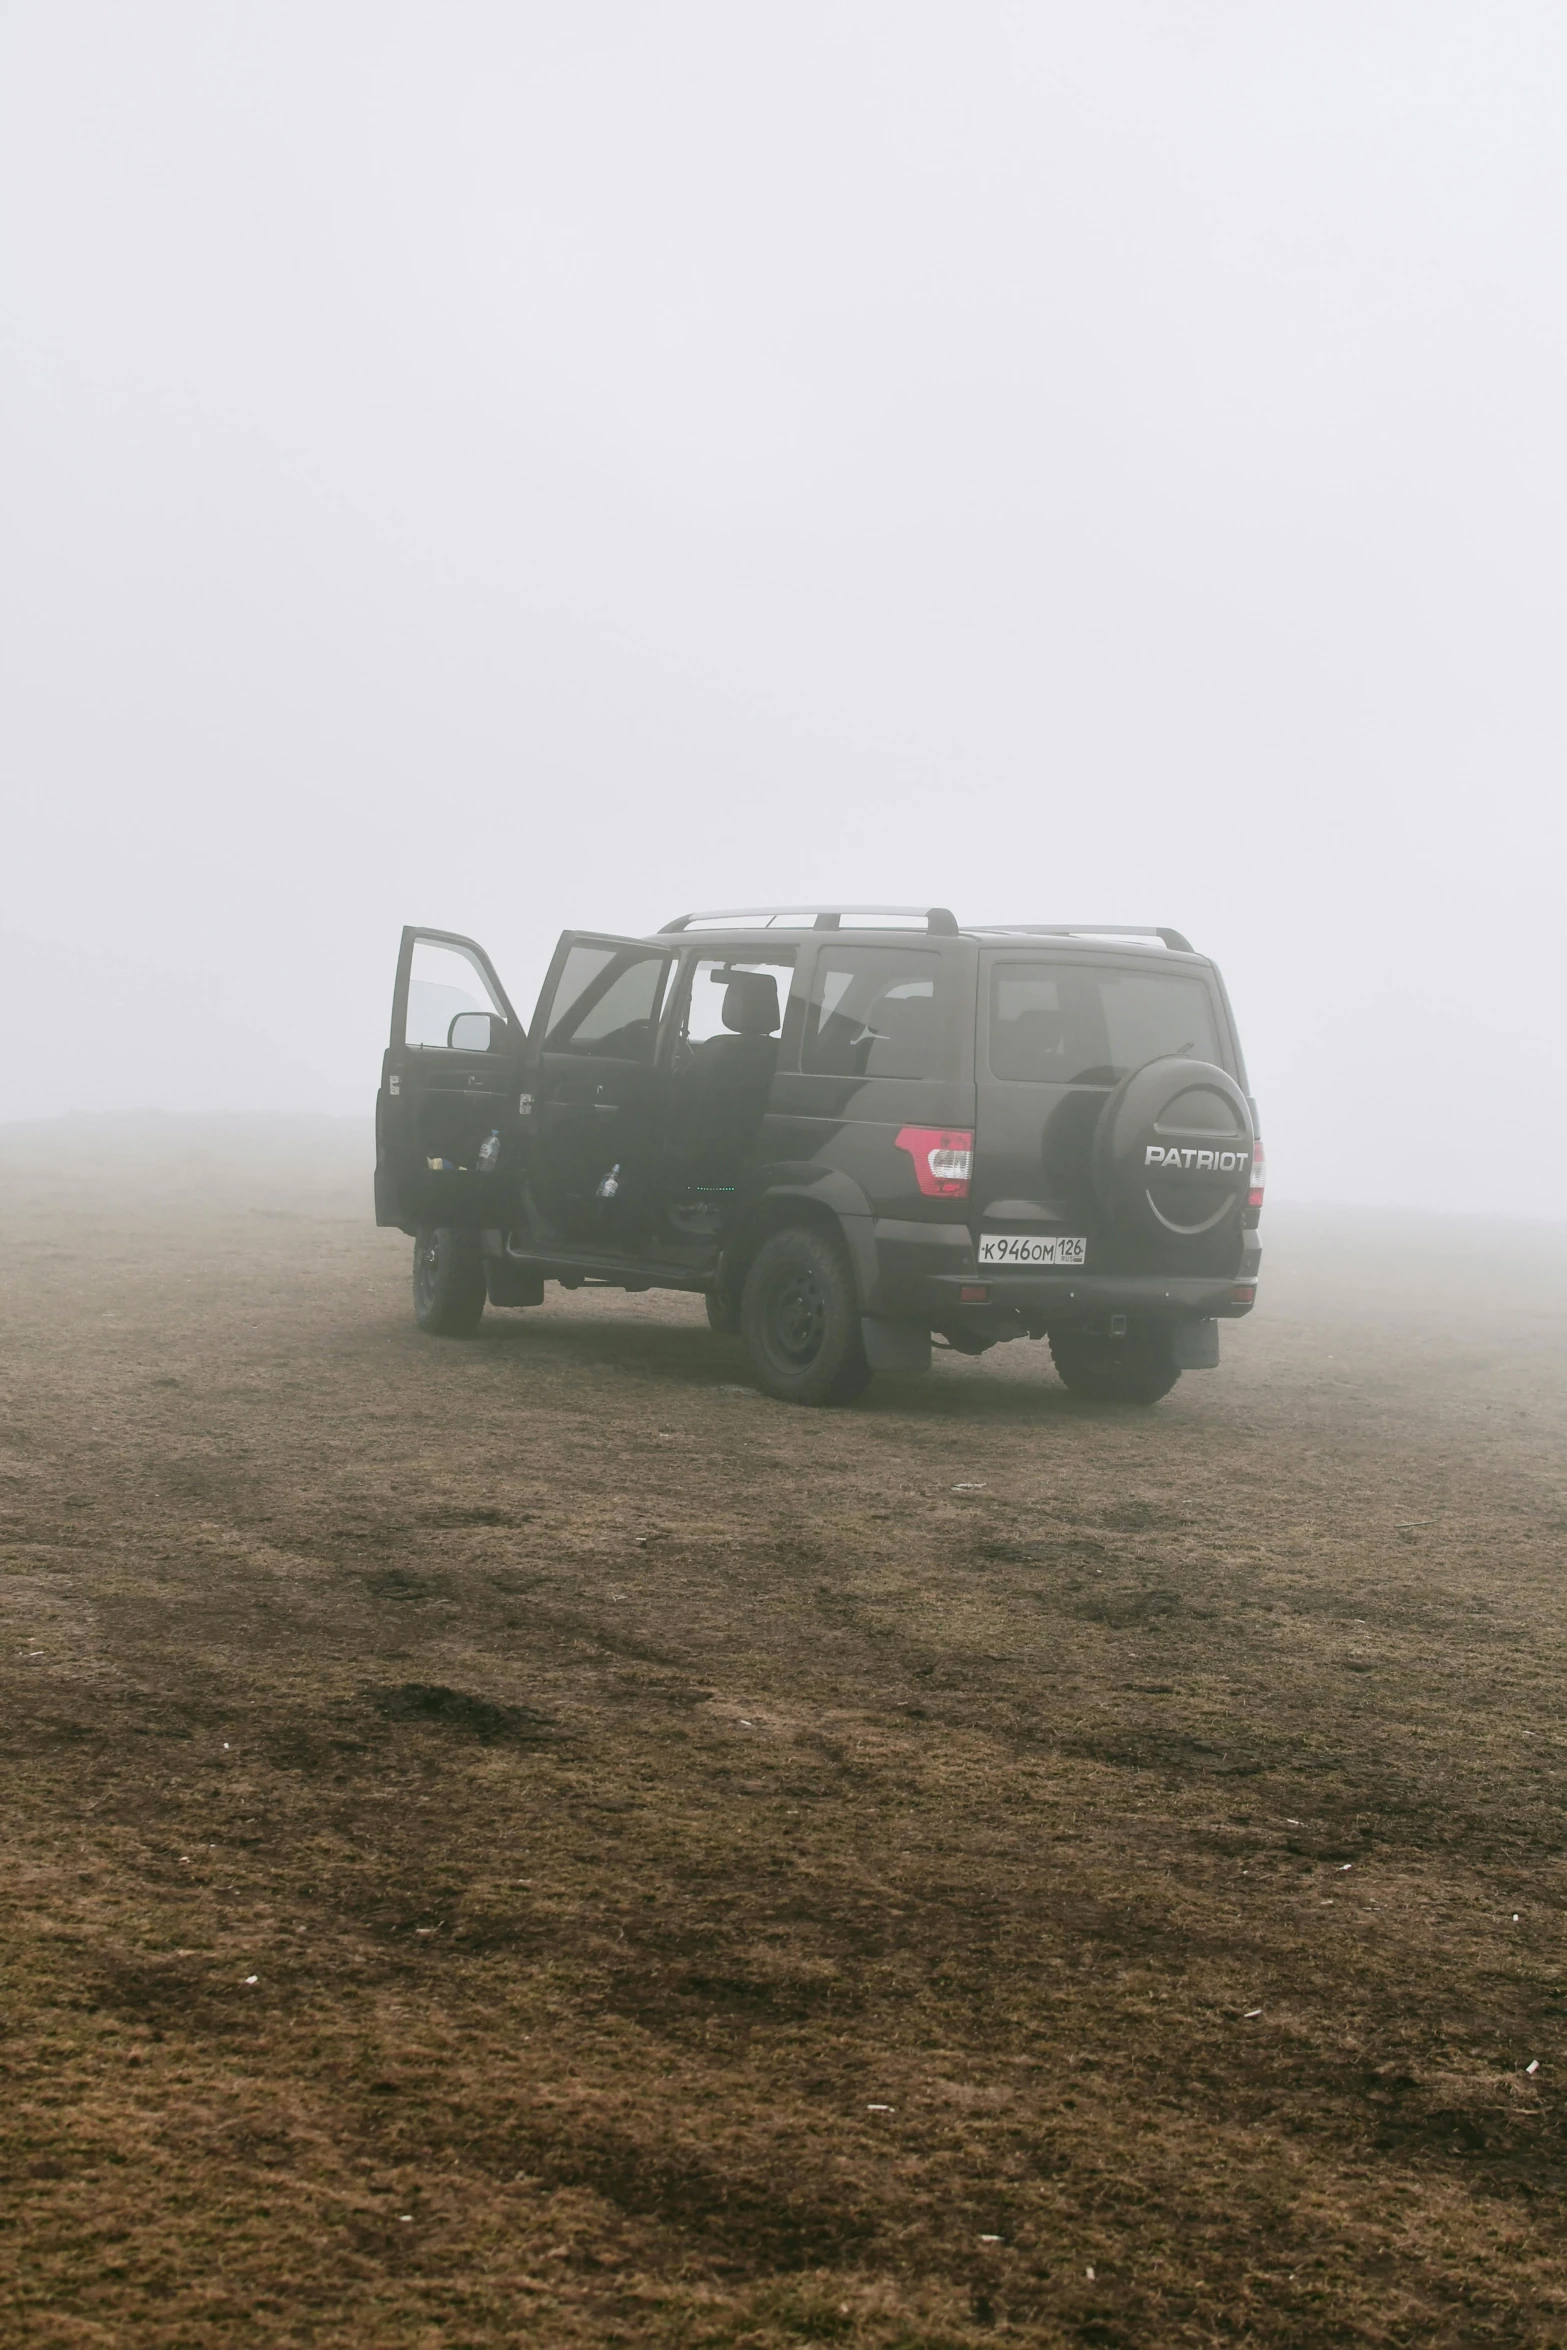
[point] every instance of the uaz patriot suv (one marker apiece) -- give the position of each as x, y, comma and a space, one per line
849, 1129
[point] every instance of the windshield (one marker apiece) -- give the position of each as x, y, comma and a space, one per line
1082, 1024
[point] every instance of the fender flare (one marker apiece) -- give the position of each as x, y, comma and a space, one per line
825, 1193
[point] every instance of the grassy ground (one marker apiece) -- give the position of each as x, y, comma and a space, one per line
527, 1841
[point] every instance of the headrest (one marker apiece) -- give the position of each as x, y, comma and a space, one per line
907, 1018
751, 1003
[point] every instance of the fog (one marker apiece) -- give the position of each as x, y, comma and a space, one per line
507, 467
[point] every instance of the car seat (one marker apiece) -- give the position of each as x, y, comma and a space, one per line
723, 1098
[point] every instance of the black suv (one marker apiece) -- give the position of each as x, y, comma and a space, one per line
848, 1128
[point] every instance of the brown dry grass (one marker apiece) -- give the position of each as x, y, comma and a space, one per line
720, 1875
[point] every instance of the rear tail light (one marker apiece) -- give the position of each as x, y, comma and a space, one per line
1259, 1175
943, 1159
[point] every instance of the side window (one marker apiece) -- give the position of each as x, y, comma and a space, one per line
606, 1002
879, 1012
446, 987
730, 998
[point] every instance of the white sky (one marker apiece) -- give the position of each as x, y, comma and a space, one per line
508, 466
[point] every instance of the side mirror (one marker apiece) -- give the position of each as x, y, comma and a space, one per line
476, 1032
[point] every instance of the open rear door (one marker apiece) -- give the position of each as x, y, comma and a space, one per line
596, 1094
446, 1115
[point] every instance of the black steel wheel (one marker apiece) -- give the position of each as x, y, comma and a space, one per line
800, 1319
1136, 1368
449, 1288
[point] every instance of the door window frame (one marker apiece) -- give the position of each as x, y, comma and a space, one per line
412, 934
541, 1047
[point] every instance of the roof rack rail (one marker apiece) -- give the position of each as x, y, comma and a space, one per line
1175, 940
936, 919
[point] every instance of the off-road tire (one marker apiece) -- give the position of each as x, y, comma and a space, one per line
1138, 1368
800, 1319
449, 1290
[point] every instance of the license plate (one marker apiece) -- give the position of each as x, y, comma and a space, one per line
1030, 1248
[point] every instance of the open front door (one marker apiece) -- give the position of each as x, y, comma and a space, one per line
446, 1115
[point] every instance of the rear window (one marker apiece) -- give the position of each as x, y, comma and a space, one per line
1073, 1024
879, 1012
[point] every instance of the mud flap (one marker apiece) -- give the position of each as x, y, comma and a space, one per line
895, 1346
1194, 1346
388, 1207
507, 1284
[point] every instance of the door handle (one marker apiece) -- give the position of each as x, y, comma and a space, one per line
606, 1109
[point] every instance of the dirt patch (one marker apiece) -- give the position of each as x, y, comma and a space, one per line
458, 1709
527, 1842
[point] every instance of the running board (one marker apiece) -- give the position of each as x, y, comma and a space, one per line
606, 1272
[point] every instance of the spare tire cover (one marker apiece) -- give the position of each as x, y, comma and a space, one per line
1172, 1151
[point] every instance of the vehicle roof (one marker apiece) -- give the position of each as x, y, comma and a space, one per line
875, 925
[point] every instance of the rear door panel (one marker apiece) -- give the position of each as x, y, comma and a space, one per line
594, 1096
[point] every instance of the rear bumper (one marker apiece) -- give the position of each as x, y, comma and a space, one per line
1053, 1302
921, 1270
